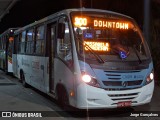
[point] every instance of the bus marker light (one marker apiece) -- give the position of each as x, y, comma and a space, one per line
71, 93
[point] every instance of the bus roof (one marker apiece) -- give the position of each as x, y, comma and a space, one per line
68, 11
97, 10
7, 31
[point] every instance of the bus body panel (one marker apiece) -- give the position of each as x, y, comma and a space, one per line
35, 71
10, 67
15, 65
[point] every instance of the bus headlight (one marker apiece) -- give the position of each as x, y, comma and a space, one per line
149, 78
90, 80
86, 78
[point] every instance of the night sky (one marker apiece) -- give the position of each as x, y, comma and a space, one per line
27, 11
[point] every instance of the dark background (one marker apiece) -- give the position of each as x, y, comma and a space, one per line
28, 11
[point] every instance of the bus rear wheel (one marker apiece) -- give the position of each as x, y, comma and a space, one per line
22, 78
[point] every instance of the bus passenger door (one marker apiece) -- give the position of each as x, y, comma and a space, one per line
51, 29
14, 56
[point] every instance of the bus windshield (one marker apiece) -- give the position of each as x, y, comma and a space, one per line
110, 37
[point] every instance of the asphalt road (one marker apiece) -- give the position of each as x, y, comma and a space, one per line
17, 102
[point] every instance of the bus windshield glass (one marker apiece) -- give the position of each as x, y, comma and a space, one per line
110, 37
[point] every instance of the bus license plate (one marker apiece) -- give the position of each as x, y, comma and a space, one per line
124, 104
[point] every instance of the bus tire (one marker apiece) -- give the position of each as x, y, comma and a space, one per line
22, 78
63, 99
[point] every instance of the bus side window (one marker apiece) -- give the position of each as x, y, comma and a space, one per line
64, 48
4, 42
40, 40
19, 43
22, 40
15, 45
30, 42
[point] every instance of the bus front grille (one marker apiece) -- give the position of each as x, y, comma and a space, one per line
120, 83
119, 89
122, 80
123, 97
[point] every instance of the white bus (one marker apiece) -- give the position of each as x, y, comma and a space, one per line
86, 58
6, 43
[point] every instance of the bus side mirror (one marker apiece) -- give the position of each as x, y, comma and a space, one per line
61, 30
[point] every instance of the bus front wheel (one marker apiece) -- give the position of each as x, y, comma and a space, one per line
62, 97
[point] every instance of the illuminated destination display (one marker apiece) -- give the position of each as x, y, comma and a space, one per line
107, 24
79, 22
97, 46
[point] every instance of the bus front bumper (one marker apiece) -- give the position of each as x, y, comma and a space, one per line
89, 97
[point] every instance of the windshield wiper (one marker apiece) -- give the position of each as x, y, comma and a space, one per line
92, 51
96, 55
139, 59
